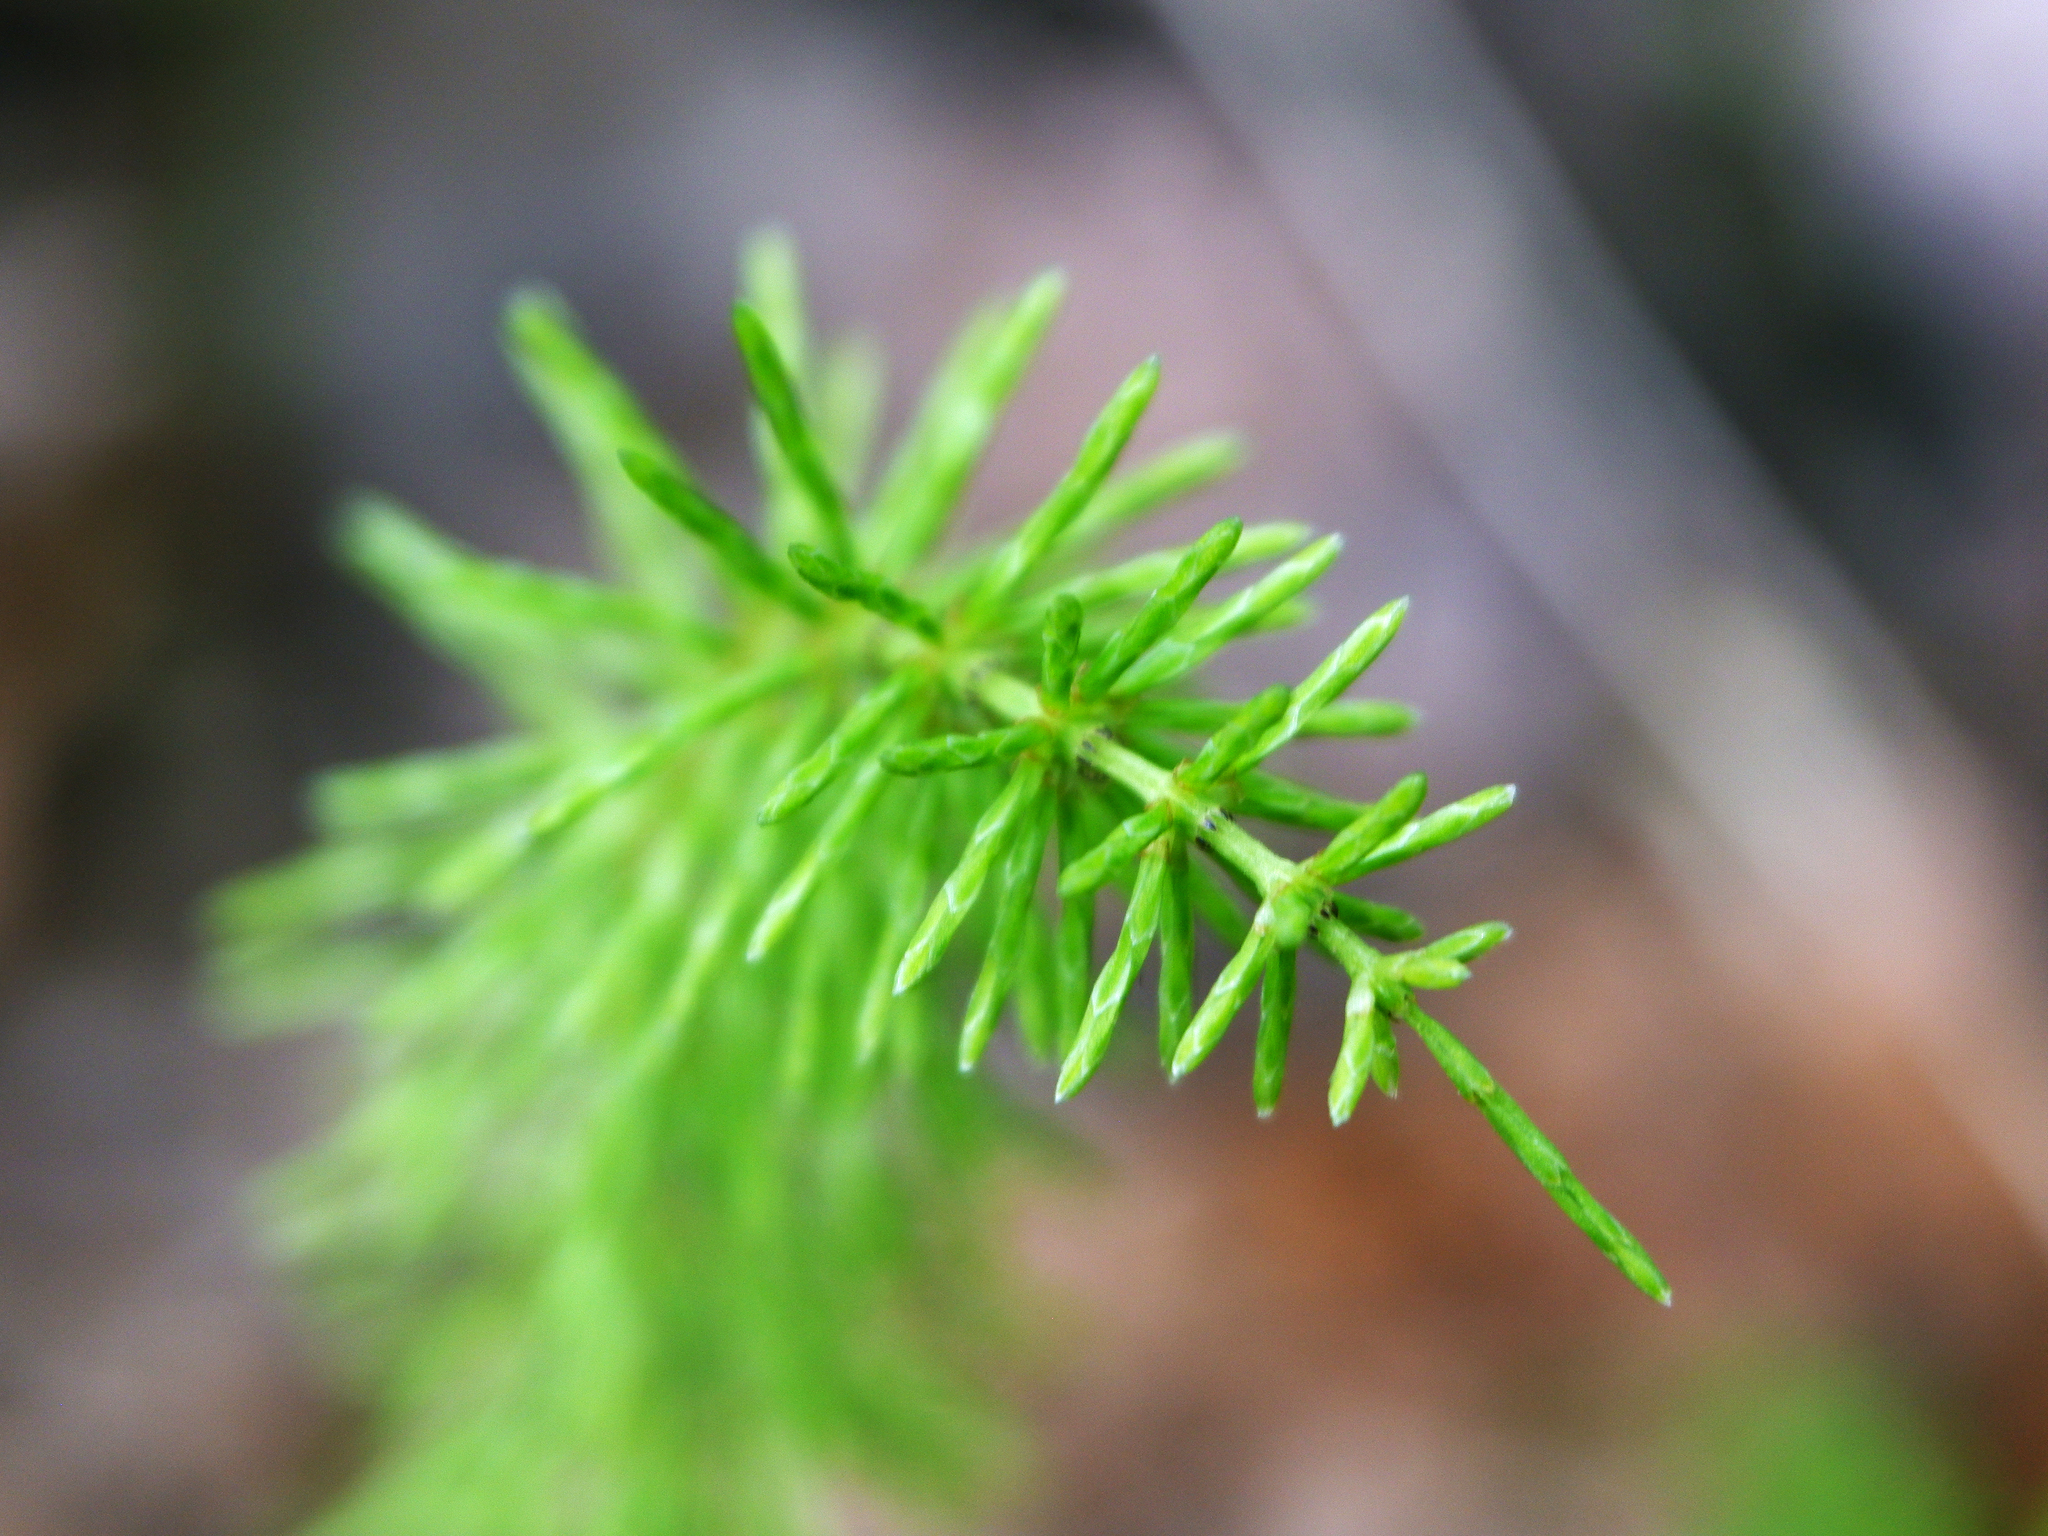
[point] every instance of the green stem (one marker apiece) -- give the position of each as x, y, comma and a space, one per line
1015, 700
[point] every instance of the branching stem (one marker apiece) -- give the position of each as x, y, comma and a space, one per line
1217, 830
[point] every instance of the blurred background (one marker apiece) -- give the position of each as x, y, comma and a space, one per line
1686, 359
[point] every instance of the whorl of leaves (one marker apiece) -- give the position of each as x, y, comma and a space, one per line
657, 1200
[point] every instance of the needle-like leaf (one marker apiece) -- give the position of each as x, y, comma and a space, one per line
850, 585
943, 754
1060, 645
1376, 921
1214, 906
592, 416
1113, 985
775, 390
1438, 827
863, 724
1219, 755
1176, 951
1018, 555
830, 845
957, 896
904, 902
1272, 798
731, 545
1352, 717
1276, 1023
1419, 968
430, 787
772, 285
648, 750
1470, 943
851, 392
1182, 653
1162, 610
1074, 942
1477, 1087
1179, 471
1368, 1054
1360, 717
1239, 976
1141, 573
944, 443
1017, 881
1337, 672
1344, 860
1125, 843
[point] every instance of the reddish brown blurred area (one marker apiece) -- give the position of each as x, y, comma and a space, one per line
1387, 1328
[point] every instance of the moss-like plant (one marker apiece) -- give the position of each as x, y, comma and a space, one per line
658, 1205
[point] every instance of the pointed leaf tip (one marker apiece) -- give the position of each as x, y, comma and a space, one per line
850, 584
729, 542
989, 840
1165, 608
1018, 555
776, 392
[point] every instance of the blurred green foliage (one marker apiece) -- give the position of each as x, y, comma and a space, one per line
1827, 1445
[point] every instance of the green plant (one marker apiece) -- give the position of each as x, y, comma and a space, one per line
1790, 1440
657, 1205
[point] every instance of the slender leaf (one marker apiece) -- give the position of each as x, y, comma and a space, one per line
772, 285
1422, 969
957, 896
1141, 573
1361, 717
1337, 672
945, 442
1273, 798
1205, 634
1167, 476
1353, 717
943, 754
1344, 860
1214, 906
909, 880
650, 748
775, 388
1470, 943
862, 725
1376, 921
851, 391
1219, 755
433, 583
1017, 881
1019, 555
1276, 1023
429, 787
592, 416
826, 850
1125, 843
1106, 1001
1439, 827
731, 546
870, 591
1477, 1087
1368, 1054
1228, 995
1074, 943
1162, 610
1176, 951
1060, 645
